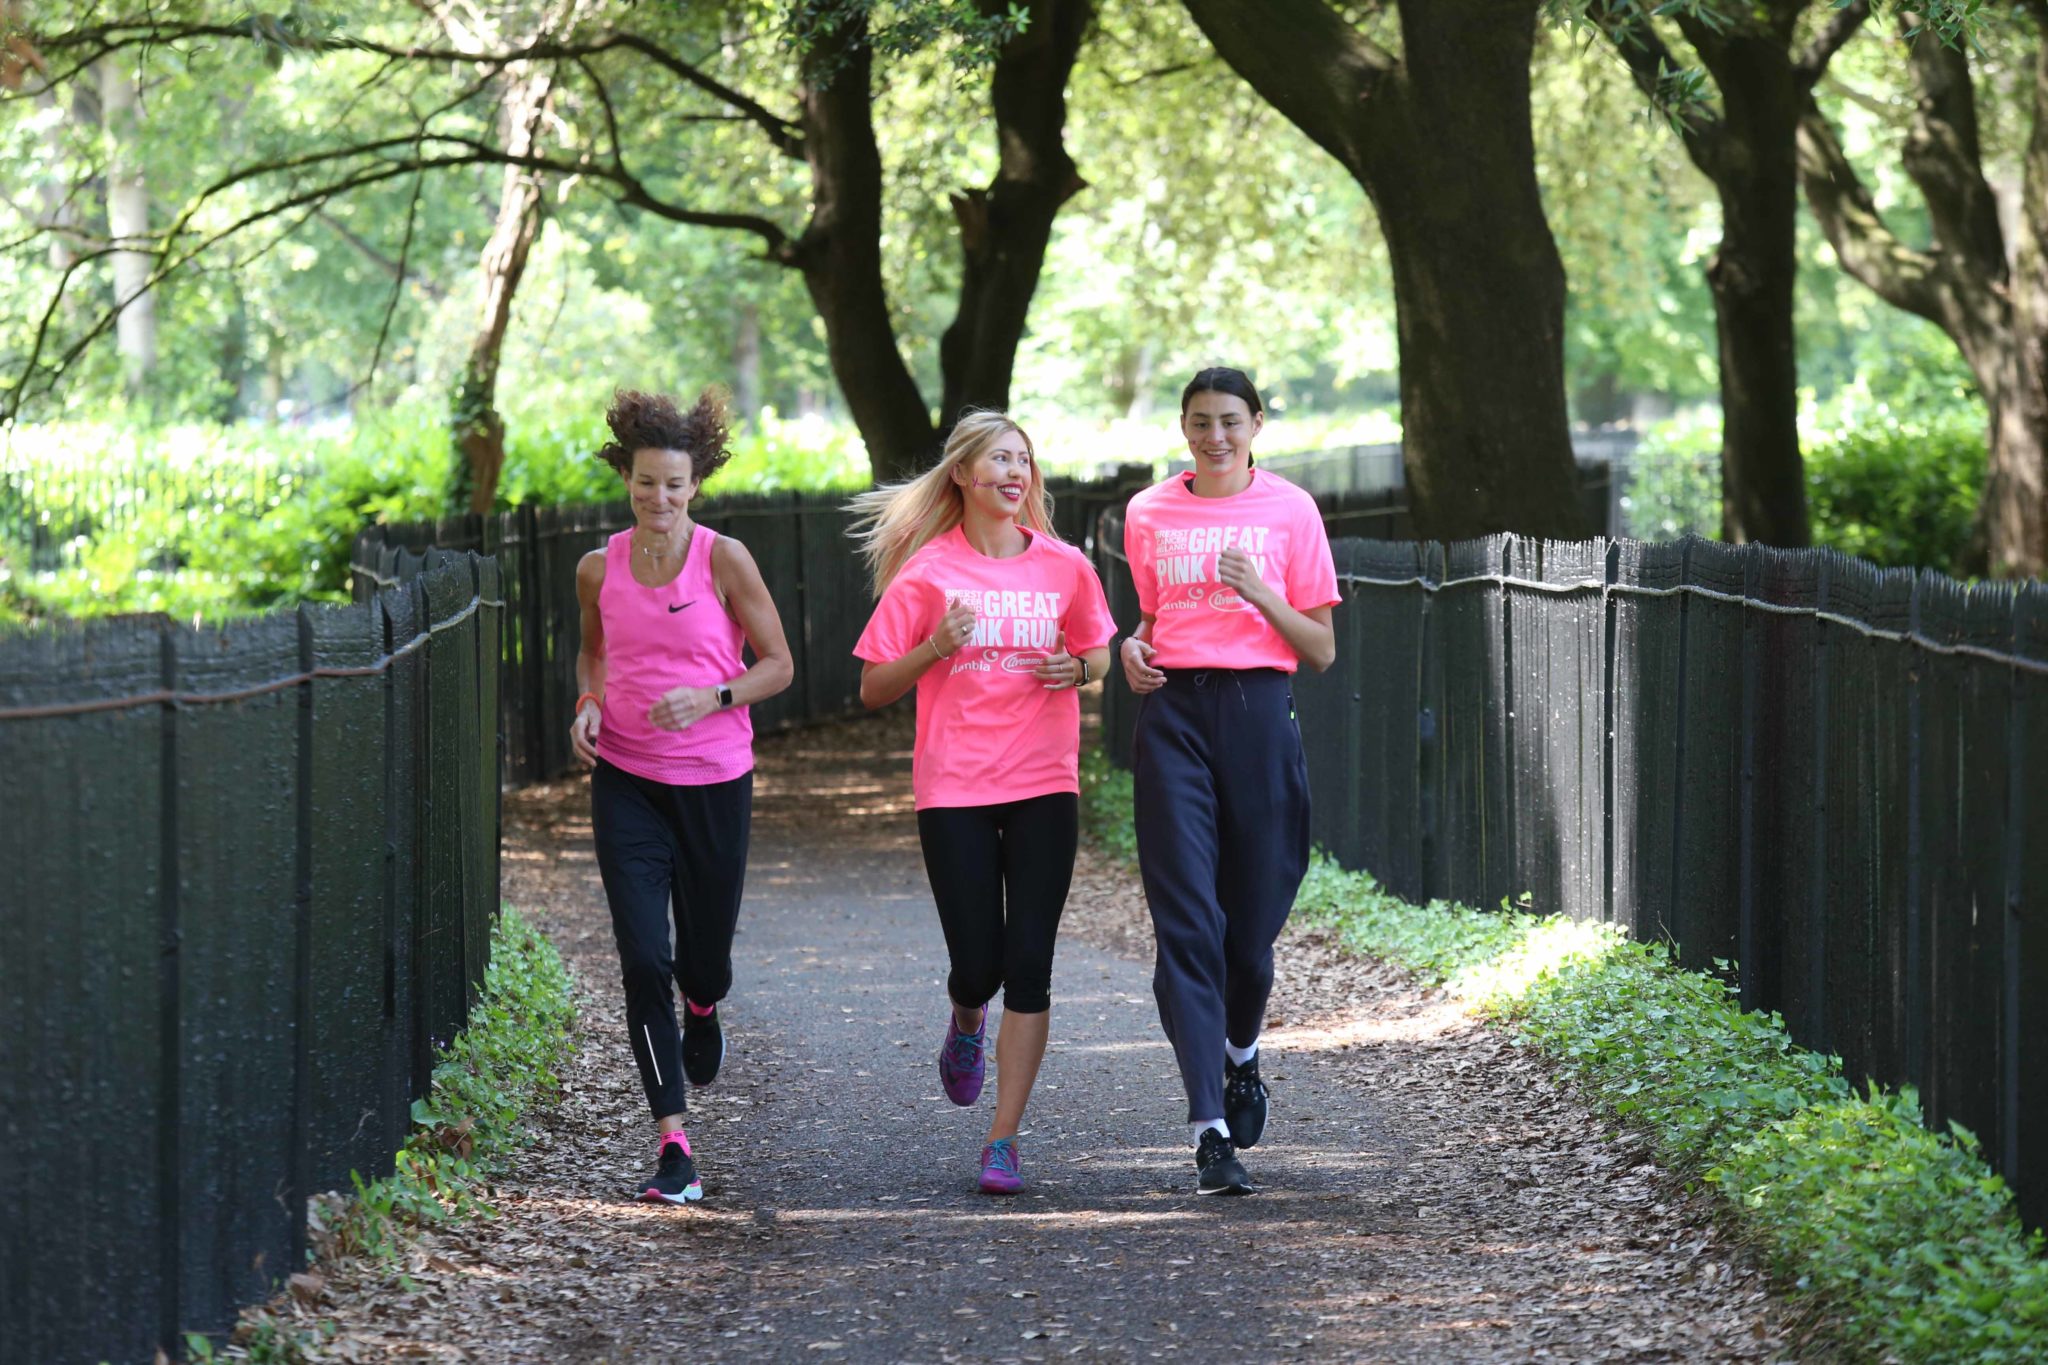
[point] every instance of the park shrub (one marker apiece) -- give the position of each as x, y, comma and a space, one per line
1895, 483
1903, 1236
467, 1128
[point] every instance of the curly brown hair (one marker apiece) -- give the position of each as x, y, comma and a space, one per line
652, 421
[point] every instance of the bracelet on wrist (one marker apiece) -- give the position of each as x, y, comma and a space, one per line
589, 696
933, 641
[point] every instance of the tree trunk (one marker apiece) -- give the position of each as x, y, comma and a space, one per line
128, 222
478, 426
1995, 311
840, 255
1755, 167
2013, 513
1004, 228
1750, 151
1440, 139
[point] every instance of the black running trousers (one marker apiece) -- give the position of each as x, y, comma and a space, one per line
1220, 806
1000, 875
662, 846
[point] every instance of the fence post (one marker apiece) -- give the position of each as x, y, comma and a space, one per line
1746, 931
1917, 1002
1822, 1037
170, 1022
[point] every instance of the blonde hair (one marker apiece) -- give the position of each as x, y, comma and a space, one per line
895, 521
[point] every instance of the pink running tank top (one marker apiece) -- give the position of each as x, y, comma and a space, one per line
655, 639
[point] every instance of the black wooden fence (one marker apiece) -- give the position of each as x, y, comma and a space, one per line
247, 879
1816, 769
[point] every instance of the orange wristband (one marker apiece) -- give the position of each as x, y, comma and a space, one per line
588, 696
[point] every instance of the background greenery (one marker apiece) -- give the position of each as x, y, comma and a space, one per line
303, 386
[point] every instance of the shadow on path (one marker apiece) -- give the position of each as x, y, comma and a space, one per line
1428, 1193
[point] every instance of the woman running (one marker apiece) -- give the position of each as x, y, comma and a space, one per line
663, 717
995, 622
1235, 582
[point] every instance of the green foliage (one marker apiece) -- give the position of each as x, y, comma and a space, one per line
1857, 1203
1106, 806
1904, 1236
467, 1129
1893, 473
1902, 492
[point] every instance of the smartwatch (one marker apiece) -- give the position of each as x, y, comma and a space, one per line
724, 695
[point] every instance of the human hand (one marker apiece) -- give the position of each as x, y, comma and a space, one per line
583, 732
1138, 669
956, 628
682, 707
1234, 568
1059, 669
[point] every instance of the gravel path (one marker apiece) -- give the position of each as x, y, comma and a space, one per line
1429, 1193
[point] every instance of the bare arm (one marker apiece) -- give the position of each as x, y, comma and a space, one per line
1136, 653
883, 683
590, 661
1309, 634
745, 596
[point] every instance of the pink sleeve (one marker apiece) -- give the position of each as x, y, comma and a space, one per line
1138, 546
1311, 573
1088, 624
902, 619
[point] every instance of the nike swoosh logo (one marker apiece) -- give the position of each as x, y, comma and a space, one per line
673, 608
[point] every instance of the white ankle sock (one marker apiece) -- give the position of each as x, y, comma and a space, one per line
1195, 1130
1240, 1055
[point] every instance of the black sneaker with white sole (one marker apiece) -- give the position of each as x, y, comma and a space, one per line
675, 1177
1217, 1167
1244, 1101
703, 1046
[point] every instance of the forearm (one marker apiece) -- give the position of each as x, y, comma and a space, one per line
882, 683
1097, 661
590, 673
1313, 642
770, 674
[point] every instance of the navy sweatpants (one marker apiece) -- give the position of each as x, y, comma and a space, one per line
1221, 809
664, 849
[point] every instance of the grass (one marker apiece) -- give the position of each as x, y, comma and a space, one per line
466, 1132
1904, 1237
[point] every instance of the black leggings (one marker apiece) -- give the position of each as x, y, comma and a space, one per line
1000, 875
660, 846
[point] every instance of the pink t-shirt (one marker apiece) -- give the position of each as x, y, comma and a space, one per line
1173, 540
987, 730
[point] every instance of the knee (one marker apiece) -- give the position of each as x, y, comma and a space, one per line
643, 969
974, 984
1030, 995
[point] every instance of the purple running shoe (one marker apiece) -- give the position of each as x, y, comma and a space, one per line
961, 1060
999, 1167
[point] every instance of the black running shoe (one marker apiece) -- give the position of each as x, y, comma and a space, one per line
675, 1177
1244, 1101
703, 1045
1219, 1169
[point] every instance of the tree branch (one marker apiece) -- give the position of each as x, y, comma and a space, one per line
1812, 64
1866, 246
1654, 67
1269, 44
101, 40
1944, 155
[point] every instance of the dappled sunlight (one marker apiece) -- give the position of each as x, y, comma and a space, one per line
1546, 947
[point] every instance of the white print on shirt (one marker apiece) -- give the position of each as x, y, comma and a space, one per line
1186, 558
1006, 620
